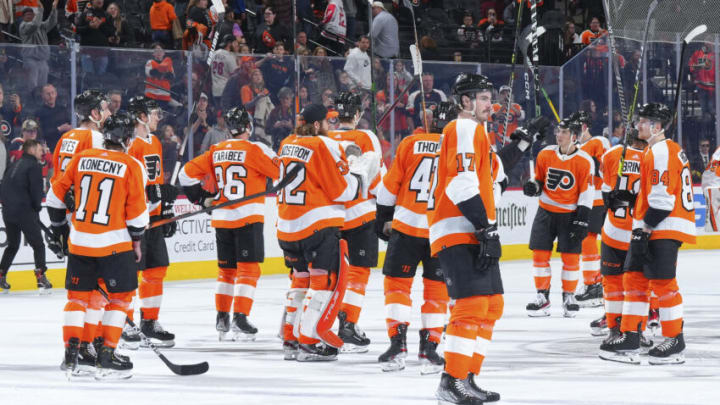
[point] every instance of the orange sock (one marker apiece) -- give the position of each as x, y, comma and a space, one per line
462, 332
635, 306
541, 264
224, 289
245, 283
570, 271
398, 304
614, 295
114, 317
74, 311
590, 260
496, 304
355, 293
434, 308
671, 306
93, 316
151, 291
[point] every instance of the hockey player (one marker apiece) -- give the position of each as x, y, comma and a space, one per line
147, 149
238, 167
564, 182
663, 219
463, 234
402, 206
711, 190
595, 146
108, 223
359, 227
310, 215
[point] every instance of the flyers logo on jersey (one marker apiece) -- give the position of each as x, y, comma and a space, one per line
152, 165
559, 178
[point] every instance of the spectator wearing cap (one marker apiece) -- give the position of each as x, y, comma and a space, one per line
158, 73
33, 31
357, 64
270, 32
281, 120
384, 32
218, 133
432, 96
54, 118
29, 131
9, 113
202, 120
162, 15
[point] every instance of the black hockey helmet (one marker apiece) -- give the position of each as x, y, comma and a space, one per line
469, 84
119, 128
656, 112
87, 101
142, 105
238, 120
446, 111
347, 104
582, 117
574, 126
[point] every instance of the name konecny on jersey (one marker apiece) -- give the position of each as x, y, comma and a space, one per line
104, 166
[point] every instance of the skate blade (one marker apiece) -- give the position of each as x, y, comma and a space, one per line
591, 303
309, 357
621, 357
223, 337
663, 361
351, 348
569, 314
4, 291
396, 364
112, 375
290, 354
599, 331
158, 343
538, 313
426, 367
125, 345
44, 291
243, 337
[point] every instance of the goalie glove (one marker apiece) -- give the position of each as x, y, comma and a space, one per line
365, 168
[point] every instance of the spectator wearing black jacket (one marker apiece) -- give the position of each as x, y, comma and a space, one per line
95, 28
271, 32
22, 195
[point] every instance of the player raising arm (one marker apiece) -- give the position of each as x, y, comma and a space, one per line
108, 223
238, 167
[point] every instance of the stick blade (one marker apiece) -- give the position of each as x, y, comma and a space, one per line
190, 369
416, 59
700, 29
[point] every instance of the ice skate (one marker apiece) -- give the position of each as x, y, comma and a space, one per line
4, 286
71, 357
222, 325
111, 367
394, 357
599, 327
130, 338
541, 305
455, 391
154, 331
570, 306
316, 352
624, 348
43, 284
353, 338
653, 322
290, 349
670, 351
97, 344
486, 396
613, 332
431, 362
591, 296
645, 344
86, 360
242, 329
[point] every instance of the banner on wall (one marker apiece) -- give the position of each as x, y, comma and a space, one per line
195, 238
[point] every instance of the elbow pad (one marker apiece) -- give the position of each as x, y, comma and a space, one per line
474, 210
654, 216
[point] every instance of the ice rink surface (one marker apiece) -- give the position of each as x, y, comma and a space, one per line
531, 361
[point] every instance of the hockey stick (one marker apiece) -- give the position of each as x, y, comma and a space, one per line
631, 110
178, 163
50, 238
700, 29
397, 99
417, 64
534, 70
513, 61
615, 65
290, 176
179, 369
542, 88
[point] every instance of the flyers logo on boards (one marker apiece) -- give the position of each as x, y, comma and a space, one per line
559, 178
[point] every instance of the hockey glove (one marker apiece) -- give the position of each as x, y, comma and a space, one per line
198, 195
383, 215
617, 199
539, 127
69, 200
639, 248
532, 188
521, 134
579, 225
57, 242
152, 191
490, 248
168, 212
168, 193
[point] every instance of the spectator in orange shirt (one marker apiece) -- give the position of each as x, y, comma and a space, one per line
162, 15
592, 33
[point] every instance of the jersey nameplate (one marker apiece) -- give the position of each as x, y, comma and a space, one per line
233, 156
425, 147
631, 166
102, 166
297, 152
68, 146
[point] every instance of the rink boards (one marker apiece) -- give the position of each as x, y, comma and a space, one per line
192, 248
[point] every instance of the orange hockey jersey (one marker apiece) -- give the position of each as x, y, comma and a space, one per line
666, 184
109, 197
407, 184
315, 199
617, 228
463, 171
596, 148
238, 168
70, 143
149, 153
567, 179
496, 122
361, 210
